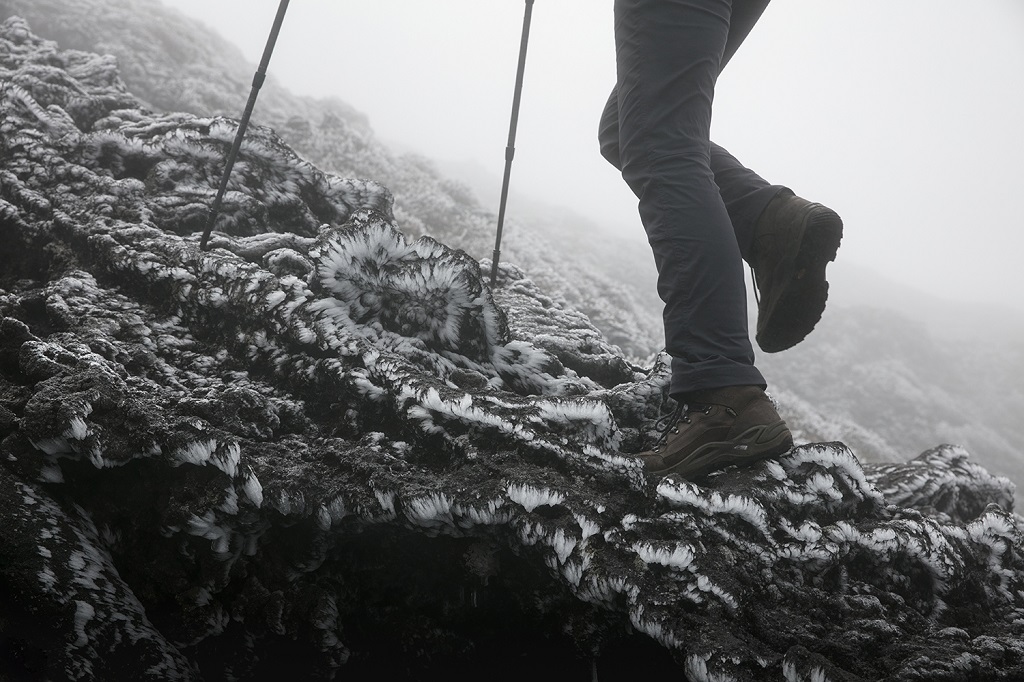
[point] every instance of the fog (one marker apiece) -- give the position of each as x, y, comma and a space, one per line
903, 116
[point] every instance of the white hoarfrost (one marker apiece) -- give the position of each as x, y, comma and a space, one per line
53, 446
593, 412
587, 527
77, 428
653, 628
431, 511
431, 404
697, 670
84, 612
386, 498
491, 513
206, 526
323, 518
675, 556
197, 452
530, 497
792, 674
252, 487
840, 461
685, 494
337, 510
563, 545
226, 458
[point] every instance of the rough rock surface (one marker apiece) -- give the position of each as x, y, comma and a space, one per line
323, 448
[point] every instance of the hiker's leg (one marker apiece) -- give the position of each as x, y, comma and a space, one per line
745, 14
745, 192
669, 53
608, 130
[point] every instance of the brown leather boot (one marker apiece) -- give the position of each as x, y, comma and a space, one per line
793, 242
717, 428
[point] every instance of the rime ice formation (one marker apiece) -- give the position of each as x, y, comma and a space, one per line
326, 448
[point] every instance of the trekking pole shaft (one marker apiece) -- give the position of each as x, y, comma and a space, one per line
243, 123
510, 150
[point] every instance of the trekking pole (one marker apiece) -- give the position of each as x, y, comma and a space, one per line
257, 83
510, 150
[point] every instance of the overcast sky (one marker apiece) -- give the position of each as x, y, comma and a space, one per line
903, 115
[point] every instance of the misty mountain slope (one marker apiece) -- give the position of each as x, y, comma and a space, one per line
168, 60
908, 385
325, 449
983, 325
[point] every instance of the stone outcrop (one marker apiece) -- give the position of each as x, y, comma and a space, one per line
324, 448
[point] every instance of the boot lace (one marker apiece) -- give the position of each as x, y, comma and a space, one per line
668, 424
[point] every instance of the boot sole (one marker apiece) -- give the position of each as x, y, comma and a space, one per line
801, 301
753, 445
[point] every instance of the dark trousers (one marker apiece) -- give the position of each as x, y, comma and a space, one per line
698, 204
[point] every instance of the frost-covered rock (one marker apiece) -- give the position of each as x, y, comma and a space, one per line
326, 448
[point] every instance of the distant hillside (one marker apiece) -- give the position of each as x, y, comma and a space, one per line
910, 385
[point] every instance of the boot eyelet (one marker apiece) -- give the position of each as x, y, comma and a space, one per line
657, 449
675, 429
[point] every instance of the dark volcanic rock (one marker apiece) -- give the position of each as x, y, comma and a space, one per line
326, 448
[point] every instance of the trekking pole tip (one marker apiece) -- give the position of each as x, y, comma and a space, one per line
494, 268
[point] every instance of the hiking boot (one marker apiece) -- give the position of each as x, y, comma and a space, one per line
793, 242
717, 428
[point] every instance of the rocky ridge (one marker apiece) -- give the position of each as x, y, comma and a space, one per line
175, 64
325, 447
